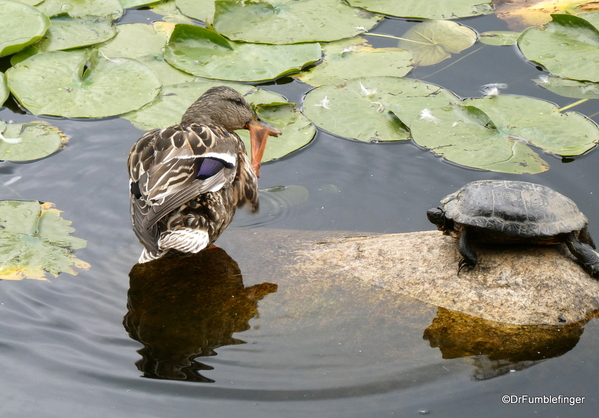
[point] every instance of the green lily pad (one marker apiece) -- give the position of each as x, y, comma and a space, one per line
35, 240
82, 84
205, 53
127, 4
494, 133
21, 26
373, 109
198, 9
290, 21
430, 9
3, 89
570, 88
297, 129
433, 41
145, 43
499, 38
111, 9
355, 58
29, 141
567, 46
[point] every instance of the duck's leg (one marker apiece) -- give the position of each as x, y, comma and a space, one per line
584, 253
470, 258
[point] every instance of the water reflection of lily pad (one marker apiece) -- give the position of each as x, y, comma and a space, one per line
354, 58
494, 133
567, 46
570, 88
21, 25
434, 41
35, 240
373, 109
3, 89
290, 21
80, 8
29, 141
205, 53
82, 83
430, 9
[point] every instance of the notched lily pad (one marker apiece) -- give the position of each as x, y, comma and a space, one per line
569, 88
567, 46
430, 9
494, 133
355, 58
499, 38
372, 109
205, 53
111, 9
290, 21
82, 84
21, 25
29, 141
198, 9
433, 41
35, 240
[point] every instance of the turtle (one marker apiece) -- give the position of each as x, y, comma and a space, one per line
502, 211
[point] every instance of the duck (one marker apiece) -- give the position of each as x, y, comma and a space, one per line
187, 180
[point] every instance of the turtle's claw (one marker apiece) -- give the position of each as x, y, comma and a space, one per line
465, 264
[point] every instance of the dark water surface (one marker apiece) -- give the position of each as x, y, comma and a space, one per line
72, 346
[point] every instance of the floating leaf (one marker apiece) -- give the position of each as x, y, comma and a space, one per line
499, 38
434, 41
568, 46
80, 8
430, 9
205, 53
3, 89
374, 108
570, 88
297, 129
521, 14
494, 133
21, 25
127, 4
82, 84
145, 43
34, 239
198, 9
290, 21
29, 141
356, 58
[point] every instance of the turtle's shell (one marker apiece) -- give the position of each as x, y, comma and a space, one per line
515, 208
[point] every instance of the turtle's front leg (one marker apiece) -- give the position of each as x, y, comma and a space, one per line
470, 258
584, 253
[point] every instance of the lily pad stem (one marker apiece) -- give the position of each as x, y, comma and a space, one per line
571, 105
396, 37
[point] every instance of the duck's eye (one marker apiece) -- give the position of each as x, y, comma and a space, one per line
238, 100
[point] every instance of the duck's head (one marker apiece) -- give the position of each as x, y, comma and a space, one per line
226, 107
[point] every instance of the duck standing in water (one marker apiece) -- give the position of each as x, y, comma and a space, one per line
187, 180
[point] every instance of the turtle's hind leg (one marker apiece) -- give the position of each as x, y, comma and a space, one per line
584, 253
470, 258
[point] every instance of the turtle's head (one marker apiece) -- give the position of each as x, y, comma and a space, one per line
437, 216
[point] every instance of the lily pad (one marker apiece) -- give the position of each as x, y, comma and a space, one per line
434, 41
494, 133
355, 58
145, 43
373, 109
430, 9
290, 21
111, 9
29, 141
3, 89
198, 9
205, 53
127, 4
35, 240
499, 38
570, 88
567, 46
21, 25
82, 84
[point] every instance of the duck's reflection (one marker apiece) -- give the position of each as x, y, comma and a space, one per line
498, 348
185, 307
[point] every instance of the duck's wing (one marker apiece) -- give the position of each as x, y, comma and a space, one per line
169, 167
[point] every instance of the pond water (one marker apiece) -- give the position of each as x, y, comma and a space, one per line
102, 345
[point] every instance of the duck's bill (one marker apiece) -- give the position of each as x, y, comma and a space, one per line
259, 132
